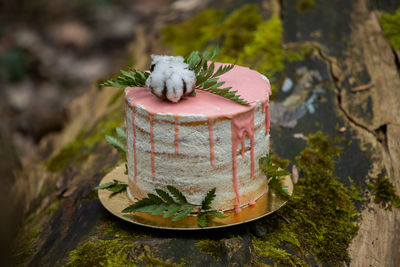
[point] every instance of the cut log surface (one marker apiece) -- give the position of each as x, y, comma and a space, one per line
350, 51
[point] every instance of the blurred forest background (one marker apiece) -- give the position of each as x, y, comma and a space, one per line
53, 115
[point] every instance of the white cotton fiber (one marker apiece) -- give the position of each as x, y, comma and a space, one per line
171, 78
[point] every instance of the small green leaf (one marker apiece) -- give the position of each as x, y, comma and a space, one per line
117, 188
128, 75
104, 186
147, 209
202, 220
193, 60
172, 210
177, 194
205, 204
183, 213
155, 198
216, 214
127, 79
160, 209
115, 143
141, 203
165, 196
121, 133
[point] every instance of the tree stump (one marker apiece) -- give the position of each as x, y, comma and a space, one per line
357, 73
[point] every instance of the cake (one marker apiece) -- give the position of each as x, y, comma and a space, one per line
201, 142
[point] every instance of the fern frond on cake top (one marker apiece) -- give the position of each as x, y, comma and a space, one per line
134, 78
207, 76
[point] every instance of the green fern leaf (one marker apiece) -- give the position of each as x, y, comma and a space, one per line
118, 188
193, 60
127, 79
104, 186
147, 209
160, 209
202, 220
144, 202
183, 213
155, 199
177, 194
115, 186
216, 214
205, 204
115, 143
121, 133
172, 210
165, 196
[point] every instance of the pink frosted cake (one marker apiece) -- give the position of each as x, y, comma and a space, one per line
201, 142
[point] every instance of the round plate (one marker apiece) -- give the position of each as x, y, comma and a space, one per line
115, 203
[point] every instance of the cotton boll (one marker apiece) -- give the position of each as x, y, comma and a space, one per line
166, 59
170, 78
174, 88
189, 79
156, 83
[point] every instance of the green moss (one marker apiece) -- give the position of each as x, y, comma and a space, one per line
52, 208
66, 154
30, 218
237, 31
303, 5
154, 261
211, 247
391, 28
244, 36
193, 34
120, 230
101, 253
283, 163
79, 149
270, 246
116, 252
321, 212
356, 192
27, 247
385, 193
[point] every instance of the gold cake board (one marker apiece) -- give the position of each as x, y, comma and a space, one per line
115, 203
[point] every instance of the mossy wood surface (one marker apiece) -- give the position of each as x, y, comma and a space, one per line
339, 124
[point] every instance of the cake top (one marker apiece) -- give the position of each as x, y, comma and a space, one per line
250, 84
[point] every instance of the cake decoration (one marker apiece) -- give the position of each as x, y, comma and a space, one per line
170, 78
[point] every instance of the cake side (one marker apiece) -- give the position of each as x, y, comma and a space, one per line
197, 145
189, 167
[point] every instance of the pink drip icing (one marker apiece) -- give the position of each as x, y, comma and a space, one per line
134, 143
252, 154
252, 203
126, 131
242, 125
243, 145
237, 209
211, 138
266, 112
152, 146
176, 133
